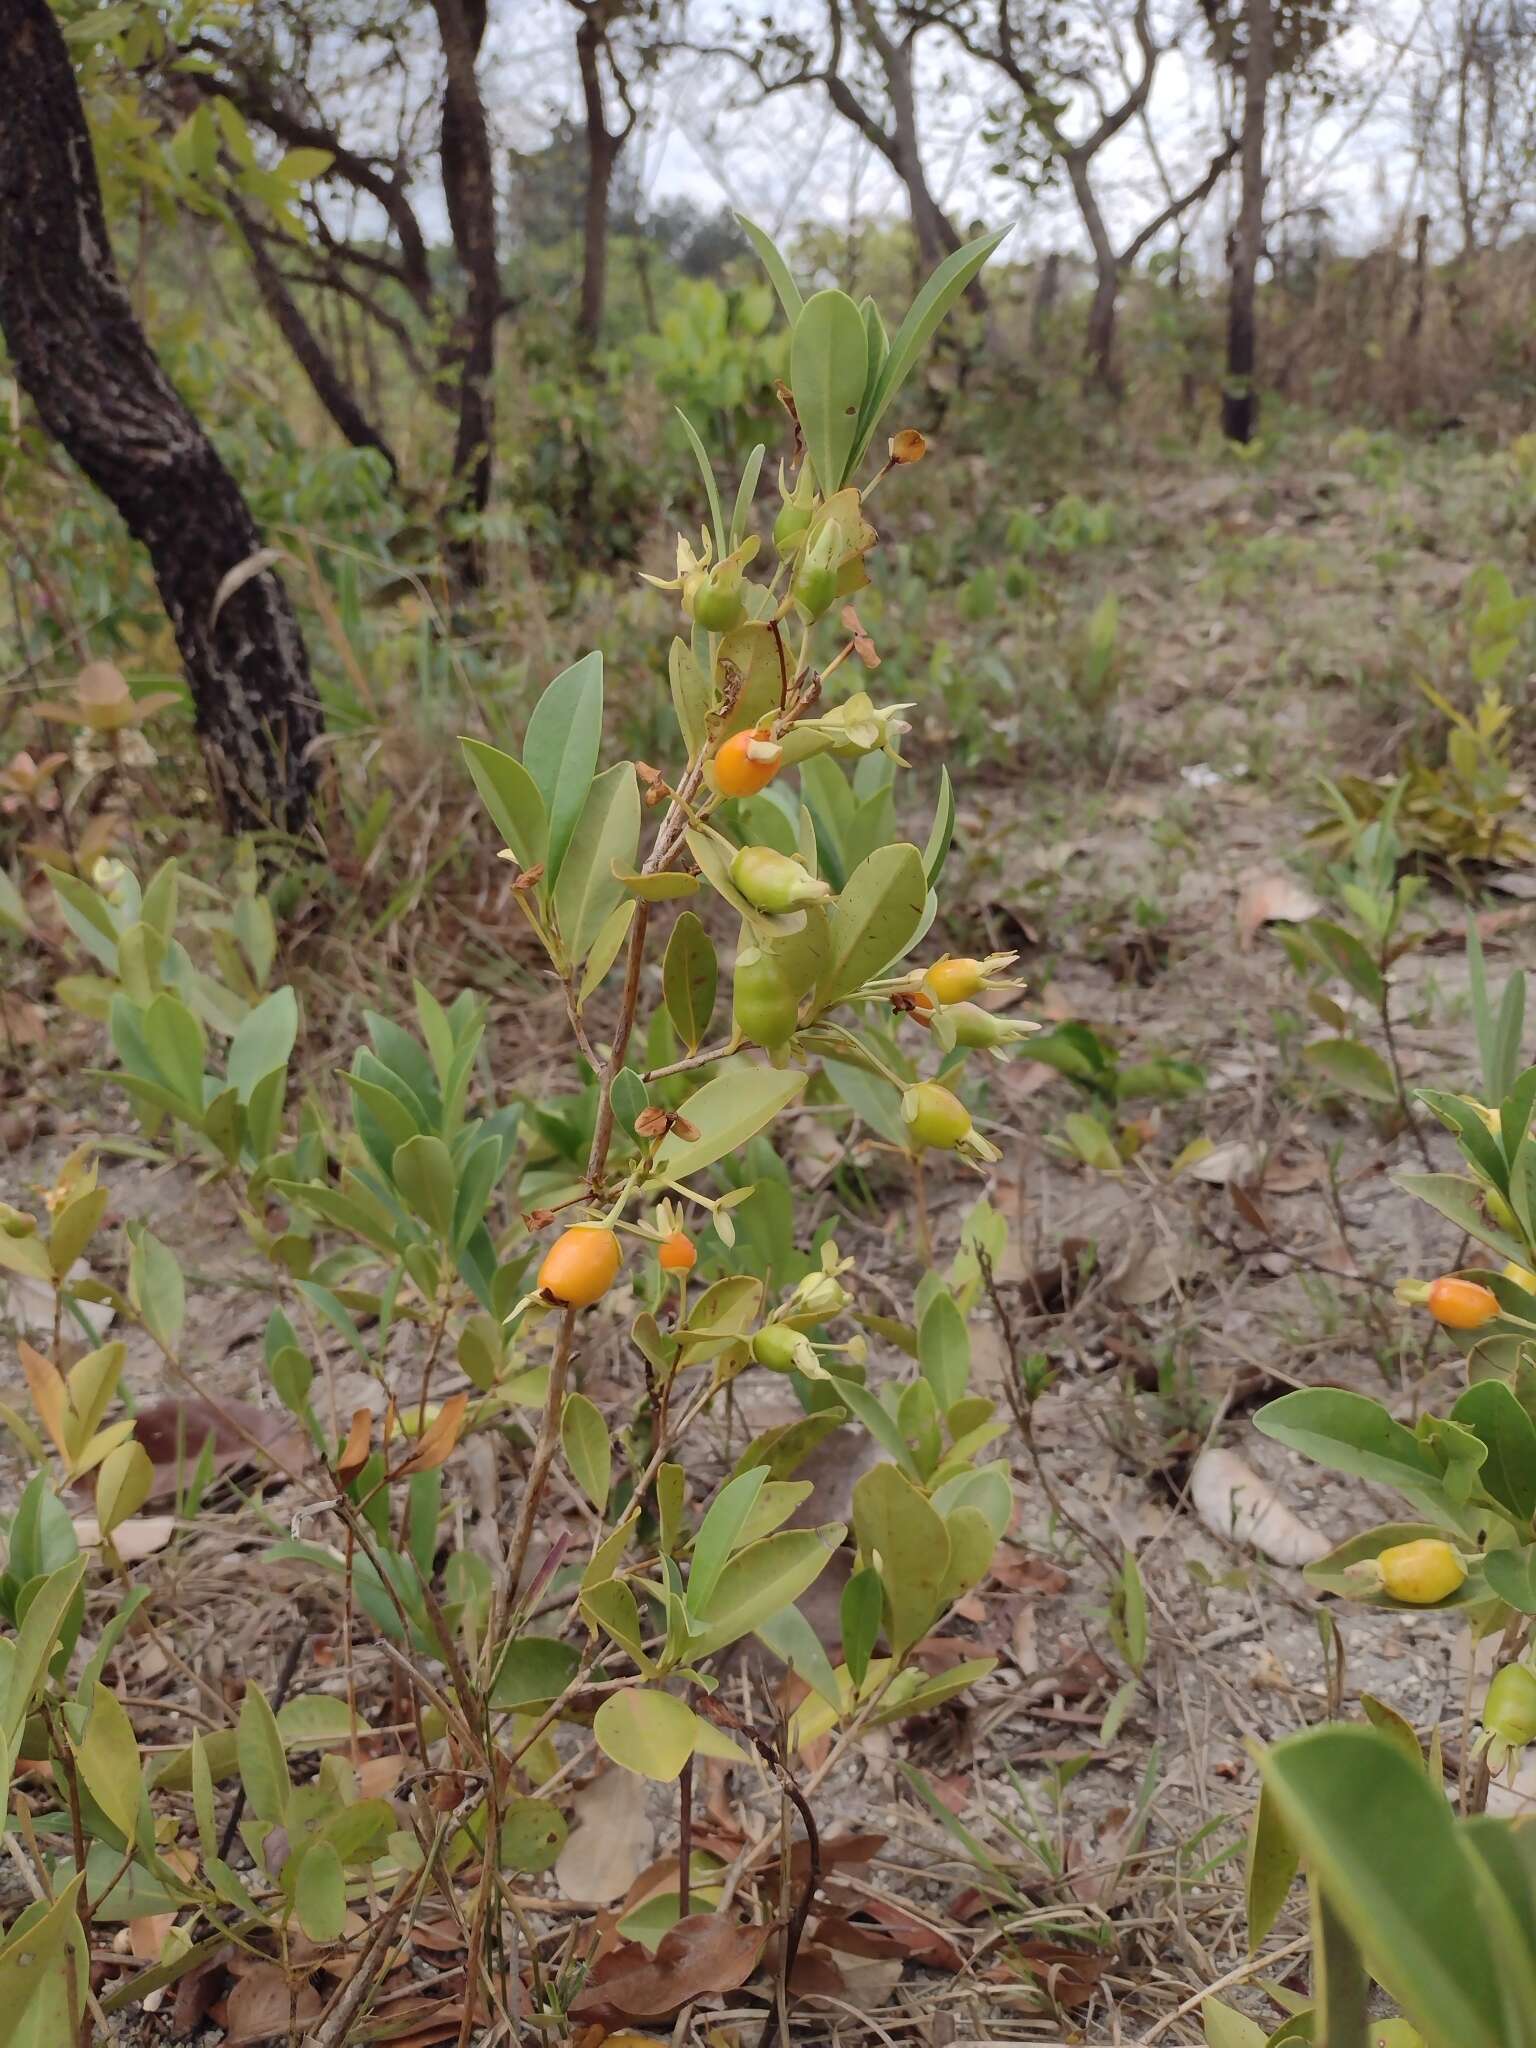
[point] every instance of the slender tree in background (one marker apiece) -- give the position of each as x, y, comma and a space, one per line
88, 367
367, 244
1036, 71
1239, 399
594, 57
866, 67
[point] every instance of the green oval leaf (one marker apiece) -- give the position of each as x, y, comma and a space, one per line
875, 918
726, 1112
690, 978
828, 366
606, 836
560, 752
649, 1733
511, 796
588, 1451
320, 1893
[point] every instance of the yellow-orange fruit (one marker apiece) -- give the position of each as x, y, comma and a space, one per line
746, 763
581, 1265
1461, 1304
678, 1253
954, 981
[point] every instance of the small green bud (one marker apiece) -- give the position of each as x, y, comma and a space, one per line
782, 1349
717, 603
980, 1030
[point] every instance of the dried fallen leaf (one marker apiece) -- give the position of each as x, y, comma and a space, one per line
259, 2007
607, 1848
1272, 899
139, 1537
1236, 1160
174, 1432
707, 1952
1233, 1501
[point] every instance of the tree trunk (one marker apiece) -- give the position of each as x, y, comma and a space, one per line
1420, 276
1106, 289
331, 387
469, 190
602, 154
1239, 399
933, 229
1047, 285
86, 364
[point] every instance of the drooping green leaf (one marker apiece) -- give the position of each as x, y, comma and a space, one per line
828, 359
156, 1288
107, 1758
588, 1451
534, 1670
512, 797
860, 1612
690, 979
607, 835
560, 752
691, 697
1489, 1409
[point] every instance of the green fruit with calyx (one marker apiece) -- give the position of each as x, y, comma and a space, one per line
718, 605
936, 1119
790, 525
815, 591
778, 1347
764, 1006
772, 882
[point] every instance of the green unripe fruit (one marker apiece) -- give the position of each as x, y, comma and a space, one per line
791, 523
765, 1007
980, 1030
1509, 1712
935, 1118
778, 1347
815, 590
718, 605
774, 883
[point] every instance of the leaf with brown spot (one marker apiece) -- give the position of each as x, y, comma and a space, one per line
704, 1954
437, 1439
354, 1452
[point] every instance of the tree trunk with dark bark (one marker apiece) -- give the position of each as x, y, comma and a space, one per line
87, 365
603, 146
1239, 399
469, 190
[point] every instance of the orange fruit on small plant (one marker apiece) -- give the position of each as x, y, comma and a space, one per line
581, 1265
678, 1253
746, 763
1461, 1304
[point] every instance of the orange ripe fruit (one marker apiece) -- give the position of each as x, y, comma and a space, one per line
581, 1265
746, 763
678, 1253
1461, 1304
